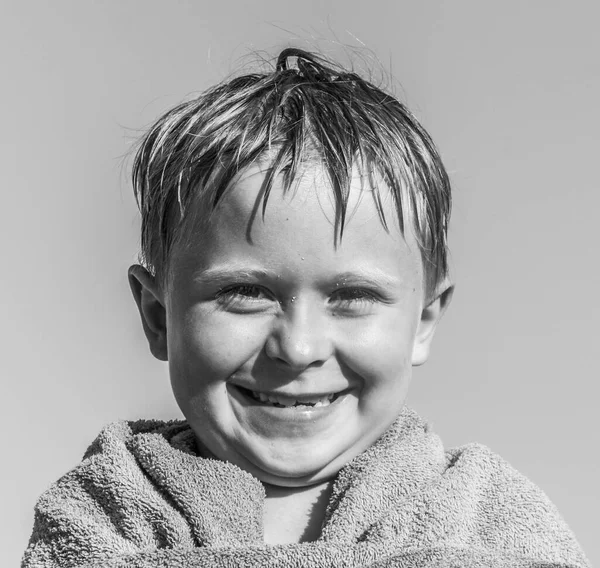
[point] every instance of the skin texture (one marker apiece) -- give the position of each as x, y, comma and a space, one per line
273, 306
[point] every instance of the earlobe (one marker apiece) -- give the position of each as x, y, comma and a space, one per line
149, 299
430, 317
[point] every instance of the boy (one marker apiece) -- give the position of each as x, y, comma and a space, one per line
294, 270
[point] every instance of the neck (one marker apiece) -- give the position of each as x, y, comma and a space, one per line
295, 514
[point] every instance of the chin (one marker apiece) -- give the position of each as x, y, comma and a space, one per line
296, 477
295, 470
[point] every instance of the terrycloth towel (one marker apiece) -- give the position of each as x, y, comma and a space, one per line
143, 497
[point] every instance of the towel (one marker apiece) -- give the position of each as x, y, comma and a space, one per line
143, 497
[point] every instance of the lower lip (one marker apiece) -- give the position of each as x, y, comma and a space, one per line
295, 414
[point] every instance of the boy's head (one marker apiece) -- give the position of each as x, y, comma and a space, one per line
294, 236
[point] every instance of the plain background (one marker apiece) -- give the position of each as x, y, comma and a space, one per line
510, 92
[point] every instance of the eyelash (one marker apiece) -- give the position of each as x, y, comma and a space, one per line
242, 293
239, 290
358, 295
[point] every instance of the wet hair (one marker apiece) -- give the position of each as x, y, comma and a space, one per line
307, 108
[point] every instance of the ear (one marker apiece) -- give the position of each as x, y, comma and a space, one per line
430, 317
149, 299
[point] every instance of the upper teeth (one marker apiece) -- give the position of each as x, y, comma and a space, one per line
290, 401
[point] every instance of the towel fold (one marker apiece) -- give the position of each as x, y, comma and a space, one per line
143, 497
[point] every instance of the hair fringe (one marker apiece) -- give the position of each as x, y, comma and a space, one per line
307, 108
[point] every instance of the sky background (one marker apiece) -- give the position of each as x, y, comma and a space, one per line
509, 91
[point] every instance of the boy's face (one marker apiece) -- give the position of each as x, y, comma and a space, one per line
259, 308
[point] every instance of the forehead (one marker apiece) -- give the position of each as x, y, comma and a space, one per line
299, 226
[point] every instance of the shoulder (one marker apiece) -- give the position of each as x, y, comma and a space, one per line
492, 481
108, 461
95, 509
492, 478
120, 434
481, 461
507, 510
110, 465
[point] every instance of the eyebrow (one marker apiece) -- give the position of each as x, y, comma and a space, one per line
223, 275
374, 277
371, 276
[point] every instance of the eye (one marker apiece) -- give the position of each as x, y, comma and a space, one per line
244, 296
353, 299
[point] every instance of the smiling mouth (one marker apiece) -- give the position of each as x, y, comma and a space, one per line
281, 401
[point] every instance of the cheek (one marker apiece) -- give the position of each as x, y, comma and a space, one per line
381, 352
209, 346
205, 349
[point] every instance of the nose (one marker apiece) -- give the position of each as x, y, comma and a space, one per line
300, 336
